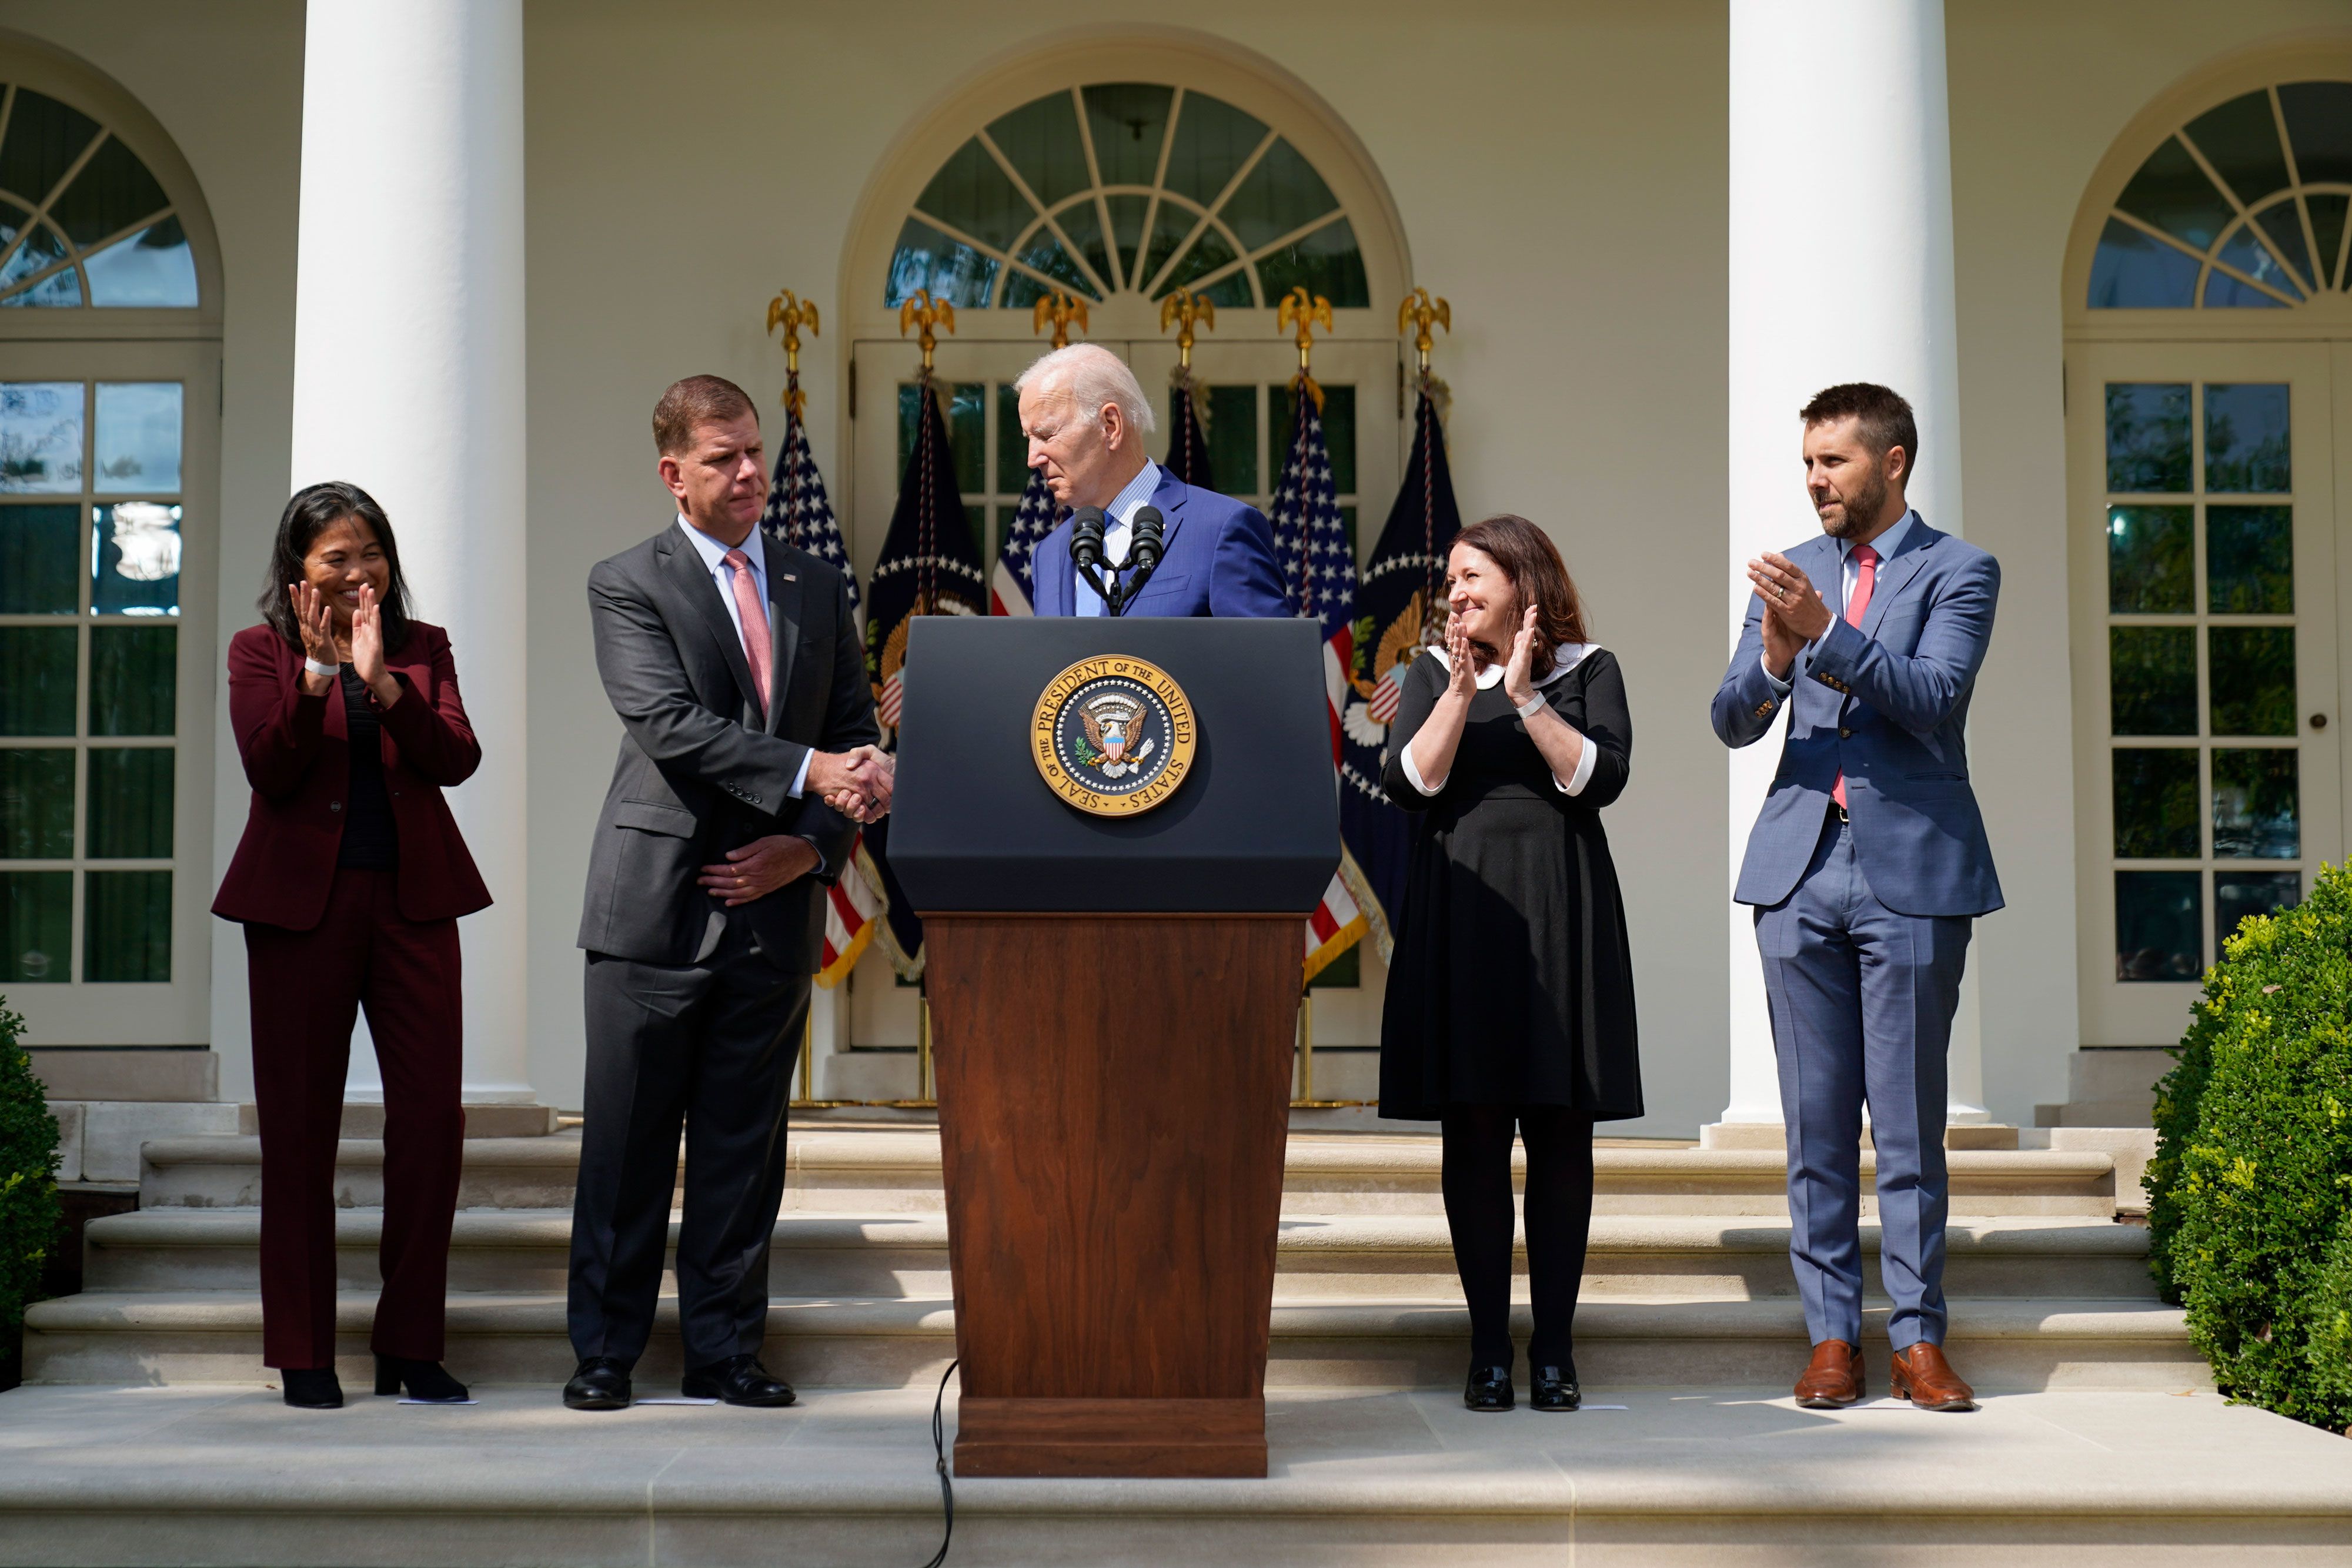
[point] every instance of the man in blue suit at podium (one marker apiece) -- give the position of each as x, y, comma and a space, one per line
1086, 417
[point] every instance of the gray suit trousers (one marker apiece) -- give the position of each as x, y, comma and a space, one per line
1861, 1001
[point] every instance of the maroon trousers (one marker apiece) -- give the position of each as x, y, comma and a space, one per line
308, 987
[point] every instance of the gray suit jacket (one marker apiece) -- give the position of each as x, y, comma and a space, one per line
701, 769
1889, 703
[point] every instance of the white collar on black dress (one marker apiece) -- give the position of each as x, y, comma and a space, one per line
1564, 658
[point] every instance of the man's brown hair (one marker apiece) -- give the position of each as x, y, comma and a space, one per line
697, 399
1539, 577
1885, 419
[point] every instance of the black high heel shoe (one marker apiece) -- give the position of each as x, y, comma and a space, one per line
311, 1387
1488, 1389
1555, 1388
426, 1379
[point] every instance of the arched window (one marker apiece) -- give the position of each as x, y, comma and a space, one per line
2243, 208
82, 220
1127, 187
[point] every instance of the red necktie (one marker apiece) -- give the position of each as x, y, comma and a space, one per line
1866, 578
754, 616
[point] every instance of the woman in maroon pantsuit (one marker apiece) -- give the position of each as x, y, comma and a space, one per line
350, 880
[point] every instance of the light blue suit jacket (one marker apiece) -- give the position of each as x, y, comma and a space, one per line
1217, 558
1888, 703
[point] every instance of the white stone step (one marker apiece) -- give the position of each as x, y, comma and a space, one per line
906, 1254
2000, 1343
1377, 1479
893, 1171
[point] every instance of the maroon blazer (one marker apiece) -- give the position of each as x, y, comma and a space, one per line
296, 752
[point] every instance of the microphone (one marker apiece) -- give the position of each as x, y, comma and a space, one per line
1144, 552
1086, 536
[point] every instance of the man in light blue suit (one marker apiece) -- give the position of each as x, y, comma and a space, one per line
1086, 417
1865, 867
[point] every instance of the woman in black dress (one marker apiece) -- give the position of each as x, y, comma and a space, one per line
1510, 1001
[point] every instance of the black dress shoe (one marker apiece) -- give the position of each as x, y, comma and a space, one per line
602, 1383
312, 1387
1554, 1388
425, 1380
738, 1380
1489, 1388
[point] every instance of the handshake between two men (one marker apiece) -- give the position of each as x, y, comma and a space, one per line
856, 783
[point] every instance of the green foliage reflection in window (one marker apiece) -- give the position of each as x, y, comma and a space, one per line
1127, 187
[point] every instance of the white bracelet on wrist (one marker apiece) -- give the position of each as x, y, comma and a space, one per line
316, 668
1532, 706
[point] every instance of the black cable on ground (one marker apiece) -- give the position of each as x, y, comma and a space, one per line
940, 1454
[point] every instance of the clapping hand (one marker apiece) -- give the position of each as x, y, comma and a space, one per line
1461, 669
367, 648
1794, 613
1518, 683
314, 617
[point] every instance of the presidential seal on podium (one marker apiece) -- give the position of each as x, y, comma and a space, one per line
1113, 736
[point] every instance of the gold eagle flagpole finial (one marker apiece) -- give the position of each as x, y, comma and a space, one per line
928, 313
1308, 310
1061, 308
1421, 311
790, 312
1188, 310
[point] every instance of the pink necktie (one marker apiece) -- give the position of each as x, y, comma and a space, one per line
754, 616
1866, 578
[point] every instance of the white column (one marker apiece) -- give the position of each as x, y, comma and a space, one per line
408, 381
1841, 270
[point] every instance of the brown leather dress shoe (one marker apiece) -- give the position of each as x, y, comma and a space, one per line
1832, 1379
1923, 1376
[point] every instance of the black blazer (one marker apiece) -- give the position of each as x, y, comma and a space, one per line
701, 769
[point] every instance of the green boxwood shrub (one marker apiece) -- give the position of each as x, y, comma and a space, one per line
2250, 1194
29, 1212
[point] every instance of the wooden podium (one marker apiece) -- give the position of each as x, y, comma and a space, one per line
1114, 1001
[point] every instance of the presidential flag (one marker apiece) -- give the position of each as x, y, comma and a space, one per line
1401, 607
1012, 588
800, 513
930, 565
1188, 430
1319, 576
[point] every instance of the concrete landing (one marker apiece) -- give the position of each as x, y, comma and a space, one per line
219, 1475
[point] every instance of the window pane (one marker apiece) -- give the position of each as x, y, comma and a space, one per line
2282, 225
1084, 225
135, 559
2152, 680
1232, 440
43, 248
2160, 920
2320, 124
1283, 193
2151, 567
950, 269
2247, 253
126, 936
971, 193
154, 268
2240, 139
2327, 215
40, 436
44, 139
1209, 252
2155, 804
1169, 224
138, 438
2225, 292
1327, 261
1044, 253
37, 943
37, 804
37, 559
1040, 140
2238, 894
1230, 292
112, 192
2147, 437
967, 411
1011, 448
1212, 139
1126, 120
975, 517
37, 680
1127, 224
135, 679
2249, 561
2246, 438
2131, 270
2257, 805
129, 802
2172, 193
2253, 679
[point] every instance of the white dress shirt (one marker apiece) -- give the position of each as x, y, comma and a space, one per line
1118, 532
1886, 544
723, 577
1564, 658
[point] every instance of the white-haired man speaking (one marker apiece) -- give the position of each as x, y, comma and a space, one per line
1086, 417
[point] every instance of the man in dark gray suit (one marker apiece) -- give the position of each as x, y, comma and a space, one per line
1866, 868
747, 749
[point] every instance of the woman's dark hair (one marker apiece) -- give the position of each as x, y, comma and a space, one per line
314, 510
1539, 577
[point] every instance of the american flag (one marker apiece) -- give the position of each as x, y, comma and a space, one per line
1012, 587
800, 513
1318, 577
